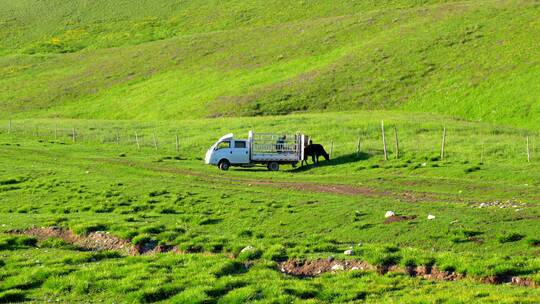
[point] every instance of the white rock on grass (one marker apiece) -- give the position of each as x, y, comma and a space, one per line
389, 214
247, 248
431, 217
337, 267
348, 252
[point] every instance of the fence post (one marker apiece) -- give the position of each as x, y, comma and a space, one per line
384, 141
137, 141
396, 142
358, 147
155, 140
73, 134
177, 144
528, 150
482, 153
443, 143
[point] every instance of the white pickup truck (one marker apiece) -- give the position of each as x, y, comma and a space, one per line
268, 149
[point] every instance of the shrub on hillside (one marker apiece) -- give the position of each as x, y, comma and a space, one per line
510, 237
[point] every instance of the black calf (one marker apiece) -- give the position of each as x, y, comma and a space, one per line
315, 151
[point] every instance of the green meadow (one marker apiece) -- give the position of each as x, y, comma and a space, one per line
107, 110
175, 60
172, 199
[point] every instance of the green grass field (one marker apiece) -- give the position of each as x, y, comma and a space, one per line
107, 109
174, 200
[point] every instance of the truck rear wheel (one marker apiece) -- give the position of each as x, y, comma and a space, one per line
224, 165
273, 166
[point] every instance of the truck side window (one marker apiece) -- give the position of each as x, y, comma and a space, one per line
240, 144
224, 145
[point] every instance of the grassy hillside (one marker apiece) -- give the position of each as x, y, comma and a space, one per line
175, 60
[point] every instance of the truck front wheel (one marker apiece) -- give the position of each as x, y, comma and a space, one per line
224, 165
273, 166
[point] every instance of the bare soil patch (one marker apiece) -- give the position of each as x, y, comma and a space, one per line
95, 241
313, 268
398, 218
306, 268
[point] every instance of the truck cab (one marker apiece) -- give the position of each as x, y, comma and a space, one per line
228, 151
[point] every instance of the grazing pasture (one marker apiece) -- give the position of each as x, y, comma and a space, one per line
225, 235
108, 107
190, 59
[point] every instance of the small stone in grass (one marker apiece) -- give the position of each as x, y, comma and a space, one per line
247, 248
389, 214
431, 217
338, 267
348, 252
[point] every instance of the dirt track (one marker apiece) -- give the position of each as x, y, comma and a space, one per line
339, 189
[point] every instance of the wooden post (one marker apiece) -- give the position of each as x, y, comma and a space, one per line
482, 153
137, 141
331, 149
384, 141
443, 143
396, 142
155, 140
533, 149
358, 148
177, 144
73, 134
528, 151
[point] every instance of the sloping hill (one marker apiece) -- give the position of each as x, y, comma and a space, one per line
173, 60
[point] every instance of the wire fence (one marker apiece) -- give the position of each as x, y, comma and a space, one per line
387, 141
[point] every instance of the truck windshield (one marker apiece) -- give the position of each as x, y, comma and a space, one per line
223, 145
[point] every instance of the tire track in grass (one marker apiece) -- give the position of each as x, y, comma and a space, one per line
336, 189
